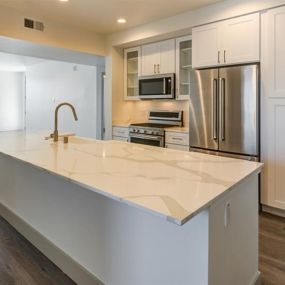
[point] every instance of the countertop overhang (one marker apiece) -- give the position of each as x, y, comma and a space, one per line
174, 185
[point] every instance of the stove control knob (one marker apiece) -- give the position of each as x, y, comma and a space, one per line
145, 131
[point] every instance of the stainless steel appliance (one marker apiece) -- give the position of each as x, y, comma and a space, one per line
160, 86
152, 132
224, 111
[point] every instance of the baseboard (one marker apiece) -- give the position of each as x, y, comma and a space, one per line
257, 279
274, 211
69, 266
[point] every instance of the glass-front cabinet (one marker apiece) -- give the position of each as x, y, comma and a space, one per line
132, 70
183, 67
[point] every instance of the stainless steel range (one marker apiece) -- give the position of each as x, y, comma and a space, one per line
152, 132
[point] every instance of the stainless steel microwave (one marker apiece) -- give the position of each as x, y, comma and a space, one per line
160, 86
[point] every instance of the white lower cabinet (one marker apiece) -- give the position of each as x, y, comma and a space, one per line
177, 140
177, 146
273, 110
122, 139
120, 133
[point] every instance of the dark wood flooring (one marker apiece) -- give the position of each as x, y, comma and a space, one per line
272, 249
22, 264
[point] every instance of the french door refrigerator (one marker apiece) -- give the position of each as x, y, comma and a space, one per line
224, 111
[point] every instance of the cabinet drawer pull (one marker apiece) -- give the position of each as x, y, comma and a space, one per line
219, 57
158, 68
154, 68
177, 139
224, 55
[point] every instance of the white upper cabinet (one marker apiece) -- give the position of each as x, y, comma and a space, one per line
183, 67
132, 71
150, 59
158, 58
206, 45
167, 57
241, 39
232, 41
275, 52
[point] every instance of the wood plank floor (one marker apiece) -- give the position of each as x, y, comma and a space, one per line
22, 264
272, 249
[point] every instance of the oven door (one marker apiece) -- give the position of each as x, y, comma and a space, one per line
147, 140
157, 87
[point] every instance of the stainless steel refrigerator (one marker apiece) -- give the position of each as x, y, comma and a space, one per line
224, 111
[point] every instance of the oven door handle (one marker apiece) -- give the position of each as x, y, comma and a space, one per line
155, 138
164, 86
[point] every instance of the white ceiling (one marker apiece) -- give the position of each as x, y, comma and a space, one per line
100, 15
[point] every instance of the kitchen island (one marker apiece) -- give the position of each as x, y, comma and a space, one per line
121, 213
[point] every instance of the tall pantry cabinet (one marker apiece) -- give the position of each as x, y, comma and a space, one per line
273, 110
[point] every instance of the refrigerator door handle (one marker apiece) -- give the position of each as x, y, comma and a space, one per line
222, 83
214, 110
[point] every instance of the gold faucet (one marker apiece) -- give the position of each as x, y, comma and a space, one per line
55, 133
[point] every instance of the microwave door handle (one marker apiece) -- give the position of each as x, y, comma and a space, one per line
164, 87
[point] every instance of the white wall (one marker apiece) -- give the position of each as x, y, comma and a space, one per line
52, 82
12, 100
55, 34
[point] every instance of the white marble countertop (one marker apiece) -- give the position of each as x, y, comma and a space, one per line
169, 129
177, 129
121, 125
174, 185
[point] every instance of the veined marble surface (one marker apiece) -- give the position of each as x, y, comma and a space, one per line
169, 129
172, 184
177, 129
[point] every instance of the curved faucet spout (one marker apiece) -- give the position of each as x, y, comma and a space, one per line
55, 133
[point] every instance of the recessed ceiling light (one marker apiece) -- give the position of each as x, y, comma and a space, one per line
63, 0
121, 21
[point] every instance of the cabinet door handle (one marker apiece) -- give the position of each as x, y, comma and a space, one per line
219, 57
154, 68
224, 55
158, 68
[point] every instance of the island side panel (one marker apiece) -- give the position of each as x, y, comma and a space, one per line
233, 236
117, 243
